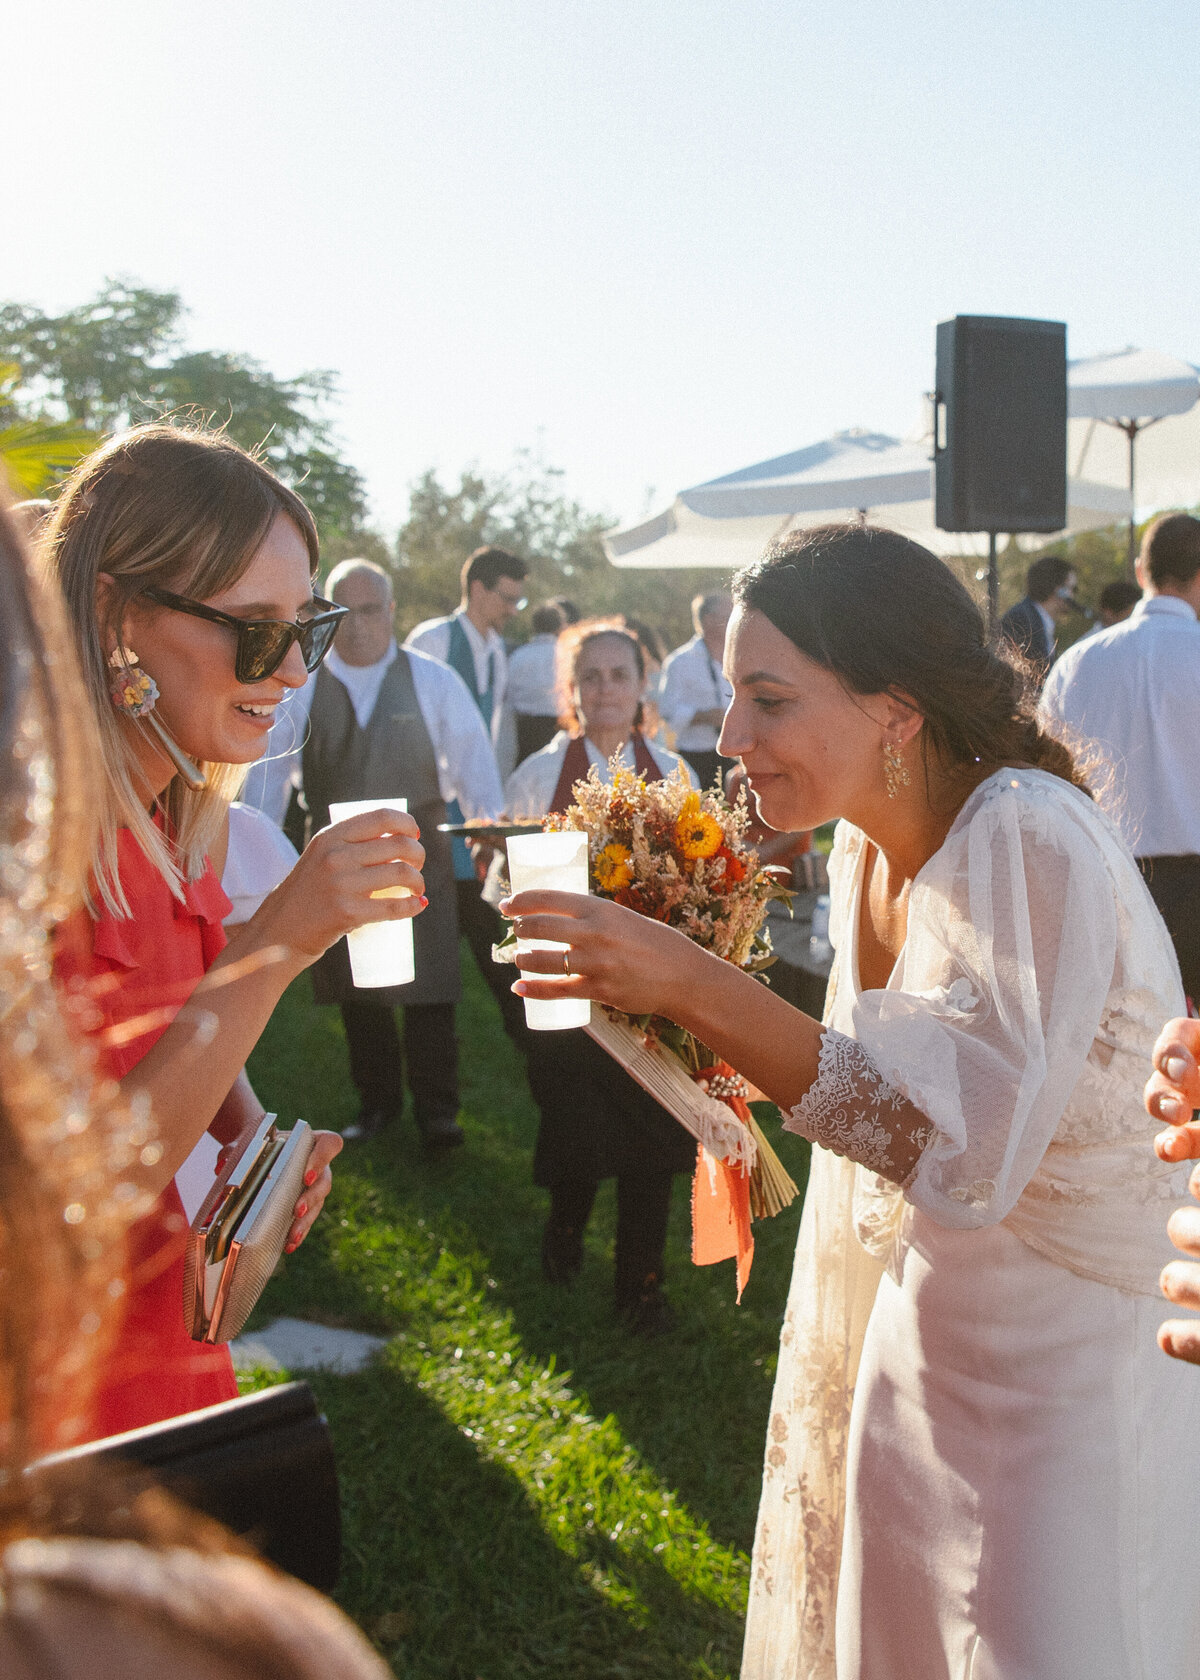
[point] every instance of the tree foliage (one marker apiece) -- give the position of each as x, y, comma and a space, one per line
120, 359
527, 511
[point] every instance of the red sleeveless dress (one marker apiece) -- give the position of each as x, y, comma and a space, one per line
127, 967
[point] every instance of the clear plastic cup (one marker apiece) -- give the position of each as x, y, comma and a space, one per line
550, 863
381, 953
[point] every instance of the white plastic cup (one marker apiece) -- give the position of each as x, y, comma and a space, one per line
381, 953
550, 863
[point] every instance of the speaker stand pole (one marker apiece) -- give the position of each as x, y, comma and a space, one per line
1131, 432
993, 582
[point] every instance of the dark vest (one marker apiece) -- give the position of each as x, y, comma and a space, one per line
392, 757
576, 764
460, 658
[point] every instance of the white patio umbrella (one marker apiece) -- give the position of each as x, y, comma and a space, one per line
728, 522
1111, 401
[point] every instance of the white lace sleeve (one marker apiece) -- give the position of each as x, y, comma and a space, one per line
851, 1109
987, 1024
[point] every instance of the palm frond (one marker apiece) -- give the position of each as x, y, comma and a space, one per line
35, 453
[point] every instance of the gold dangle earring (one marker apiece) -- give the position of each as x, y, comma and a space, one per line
895, 771
134, 693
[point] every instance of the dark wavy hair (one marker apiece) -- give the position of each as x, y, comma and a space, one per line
888, 617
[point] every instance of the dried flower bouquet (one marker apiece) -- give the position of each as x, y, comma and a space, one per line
683, 858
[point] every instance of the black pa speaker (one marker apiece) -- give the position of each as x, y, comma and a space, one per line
1000, 442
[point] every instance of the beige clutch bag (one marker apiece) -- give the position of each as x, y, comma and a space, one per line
238, 1235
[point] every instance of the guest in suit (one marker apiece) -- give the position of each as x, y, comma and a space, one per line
1049, 595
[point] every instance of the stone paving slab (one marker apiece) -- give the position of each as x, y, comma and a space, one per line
291, 1344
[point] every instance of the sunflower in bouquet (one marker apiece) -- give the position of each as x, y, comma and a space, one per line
682, 858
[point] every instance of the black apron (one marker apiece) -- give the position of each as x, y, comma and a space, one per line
596, 1120
392, 758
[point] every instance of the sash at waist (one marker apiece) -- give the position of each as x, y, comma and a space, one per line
1100, 1210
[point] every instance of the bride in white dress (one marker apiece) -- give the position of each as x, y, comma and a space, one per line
979, 1466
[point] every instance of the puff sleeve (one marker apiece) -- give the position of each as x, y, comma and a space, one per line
985, 1026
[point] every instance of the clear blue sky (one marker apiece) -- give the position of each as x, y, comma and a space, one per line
663, 238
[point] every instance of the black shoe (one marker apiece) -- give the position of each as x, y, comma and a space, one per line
369, 1124
439, 1133
646, 1311
562, 1252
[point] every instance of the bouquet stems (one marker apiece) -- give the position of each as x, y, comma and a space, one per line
772, 1187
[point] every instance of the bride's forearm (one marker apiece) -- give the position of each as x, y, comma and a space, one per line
771, 1044
637, 965
823, 1083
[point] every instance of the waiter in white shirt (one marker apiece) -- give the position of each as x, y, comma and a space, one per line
1134, 692
693, 694
469, 641
533, 681
390, 722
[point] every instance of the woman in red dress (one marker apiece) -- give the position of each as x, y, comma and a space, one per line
188, 571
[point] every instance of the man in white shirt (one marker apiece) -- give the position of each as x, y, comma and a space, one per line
1133, 692
388, 722
693, 693
469, 641
533, 682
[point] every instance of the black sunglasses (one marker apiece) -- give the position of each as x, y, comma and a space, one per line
263, 643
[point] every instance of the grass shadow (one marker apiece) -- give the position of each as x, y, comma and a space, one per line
693, 1404
448, 1565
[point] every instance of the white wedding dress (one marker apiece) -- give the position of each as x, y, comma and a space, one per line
979, 1465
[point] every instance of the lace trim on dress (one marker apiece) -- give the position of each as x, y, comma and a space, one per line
851, 1109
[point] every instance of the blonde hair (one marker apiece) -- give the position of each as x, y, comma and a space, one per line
66, 1142
159, 506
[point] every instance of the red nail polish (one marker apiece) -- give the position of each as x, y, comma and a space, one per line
424, 902
310, 1177
301, 1209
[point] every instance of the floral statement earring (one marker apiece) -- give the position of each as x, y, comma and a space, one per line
895, 771
134, 693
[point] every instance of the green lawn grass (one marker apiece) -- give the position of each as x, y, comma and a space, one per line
526, 1489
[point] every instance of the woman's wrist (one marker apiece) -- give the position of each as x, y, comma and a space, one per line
694, 985
264, 938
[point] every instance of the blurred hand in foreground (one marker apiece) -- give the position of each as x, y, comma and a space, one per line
1173, 1095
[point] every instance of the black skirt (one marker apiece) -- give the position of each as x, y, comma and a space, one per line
596, 1121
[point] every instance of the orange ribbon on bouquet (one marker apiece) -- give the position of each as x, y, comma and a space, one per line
720, 1192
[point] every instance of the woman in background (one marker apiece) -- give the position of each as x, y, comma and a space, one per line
187, 570
596, 1122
